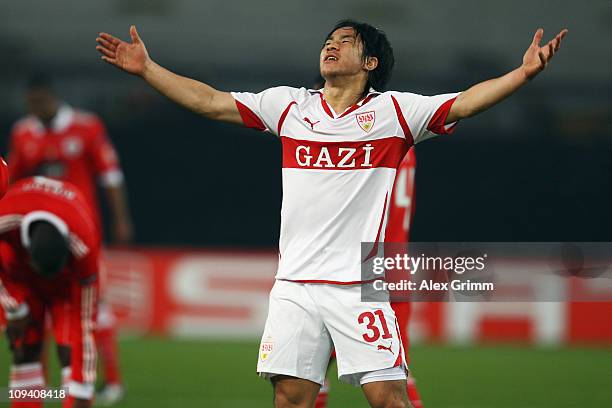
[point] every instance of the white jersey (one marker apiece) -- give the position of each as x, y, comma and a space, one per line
338, 171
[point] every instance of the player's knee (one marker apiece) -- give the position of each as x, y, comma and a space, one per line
289, 393
398, 404
391, 402
387, 394
27, 354
285, 397
63, 355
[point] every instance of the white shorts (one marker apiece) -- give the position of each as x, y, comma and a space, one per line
307, 321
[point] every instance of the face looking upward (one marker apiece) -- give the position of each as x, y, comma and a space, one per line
342, 55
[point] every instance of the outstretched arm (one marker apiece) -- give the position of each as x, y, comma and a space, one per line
482, 96
192, 94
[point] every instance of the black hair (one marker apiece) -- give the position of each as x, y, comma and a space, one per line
375, 44
48, 248
38, 80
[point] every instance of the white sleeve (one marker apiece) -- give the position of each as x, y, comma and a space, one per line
425, 115
263, 110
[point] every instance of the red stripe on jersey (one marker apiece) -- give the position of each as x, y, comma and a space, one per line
402, 122
357, 105
249, 118
326, 106
331, 282
382, 221
400, 352
307, 154
283, 116
437, 122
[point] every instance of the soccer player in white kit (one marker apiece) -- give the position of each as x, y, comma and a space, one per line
341, 147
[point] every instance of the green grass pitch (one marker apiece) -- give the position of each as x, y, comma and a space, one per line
166, 373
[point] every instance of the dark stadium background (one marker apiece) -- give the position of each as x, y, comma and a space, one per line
535, 168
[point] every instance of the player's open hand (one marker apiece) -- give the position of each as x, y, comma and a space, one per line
129, 57
537, 58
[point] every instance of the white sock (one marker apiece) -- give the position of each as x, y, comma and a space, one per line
66, 372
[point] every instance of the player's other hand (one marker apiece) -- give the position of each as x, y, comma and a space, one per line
537, 58
131, 58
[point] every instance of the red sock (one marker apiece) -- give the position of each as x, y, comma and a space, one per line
106, 340
27, 404
24, 377
413, 393
69, 402
321, 401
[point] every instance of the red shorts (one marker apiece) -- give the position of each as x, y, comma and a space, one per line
71, 310
60, 312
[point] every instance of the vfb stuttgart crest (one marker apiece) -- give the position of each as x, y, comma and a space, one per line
366, 120
265, 349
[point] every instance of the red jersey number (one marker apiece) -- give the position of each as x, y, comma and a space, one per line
403, 197
373, 332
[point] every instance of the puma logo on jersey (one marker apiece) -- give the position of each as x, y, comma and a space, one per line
340, 157
366, 120
388, 348
312, 124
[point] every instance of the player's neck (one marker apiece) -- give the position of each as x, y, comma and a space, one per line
48, 122
341, 95
48, 119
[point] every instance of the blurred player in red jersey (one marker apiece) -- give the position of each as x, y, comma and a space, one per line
49, 263
401, 212
64, 143
4, 177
